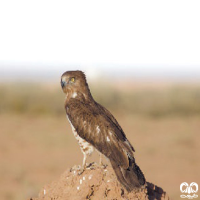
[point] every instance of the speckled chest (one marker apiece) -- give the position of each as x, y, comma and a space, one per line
86, 148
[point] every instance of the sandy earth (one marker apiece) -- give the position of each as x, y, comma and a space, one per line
97, 182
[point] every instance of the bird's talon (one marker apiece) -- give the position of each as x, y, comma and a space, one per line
81, 171
103, 166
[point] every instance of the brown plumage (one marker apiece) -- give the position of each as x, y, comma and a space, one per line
95, 127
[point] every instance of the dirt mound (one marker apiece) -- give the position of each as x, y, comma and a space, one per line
96, 183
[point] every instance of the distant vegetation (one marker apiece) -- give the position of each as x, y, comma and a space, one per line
44, 99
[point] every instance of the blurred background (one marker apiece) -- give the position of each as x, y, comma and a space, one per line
142, 61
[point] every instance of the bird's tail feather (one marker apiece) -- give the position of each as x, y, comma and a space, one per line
130, 178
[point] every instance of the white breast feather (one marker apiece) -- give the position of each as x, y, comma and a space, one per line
74, 95
82, 143
108, 139
98, 129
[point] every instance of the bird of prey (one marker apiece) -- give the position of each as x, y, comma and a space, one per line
96, 128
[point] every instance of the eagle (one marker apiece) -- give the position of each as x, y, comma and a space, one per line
95, 128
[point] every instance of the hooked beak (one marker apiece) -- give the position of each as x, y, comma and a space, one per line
63, 83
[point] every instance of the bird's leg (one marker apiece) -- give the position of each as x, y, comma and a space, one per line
84, 161
100, 159
84, 164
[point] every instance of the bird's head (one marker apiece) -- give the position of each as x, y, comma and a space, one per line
74, 84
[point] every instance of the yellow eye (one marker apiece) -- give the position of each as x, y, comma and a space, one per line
72, 79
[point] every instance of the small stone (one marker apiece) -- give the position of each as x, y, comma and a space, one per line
90, 177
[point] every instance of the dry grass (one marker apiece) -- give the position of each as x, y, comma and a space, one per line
176, 100
36, 143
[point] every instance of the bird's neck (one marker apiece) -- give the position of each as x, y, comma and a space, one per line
84, 96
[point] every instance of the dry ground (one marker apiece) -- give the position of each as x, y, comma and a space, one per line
36, 150
37, 144
96, 183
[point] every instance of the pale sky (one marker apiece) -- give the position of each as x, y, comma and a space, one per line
118, 63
